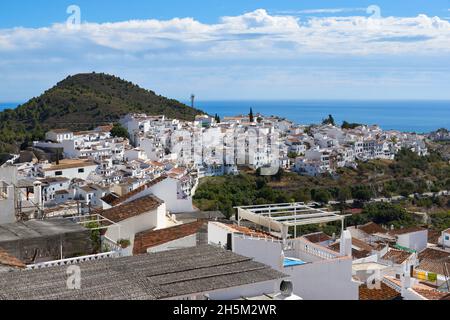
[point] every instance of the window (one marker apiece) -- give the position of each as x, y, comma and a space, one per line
58, 173
81, 170
447, 238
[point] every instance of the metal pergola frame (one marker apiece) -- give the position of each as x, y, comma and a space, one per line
83, 220
280, 217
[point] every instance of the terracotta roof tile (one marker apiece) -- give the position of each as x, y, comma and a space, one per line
318, 237
132, 209
362, 245
384, 293
431, 294
433, 236
110, 198
396, 256
250, 232
371, 228
357, 254
129, 195
433, 260
10, 261
149, 239
406, 230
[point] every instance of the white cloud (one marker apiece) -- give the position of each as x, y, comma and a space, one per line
138, 49
256, 32
323, 11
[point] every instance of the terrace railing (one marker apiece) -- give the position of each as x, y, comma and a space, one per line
72, 261
314, 249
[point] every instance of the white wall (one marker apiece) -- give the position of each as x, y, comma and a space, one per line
72, 173
318, 280
325, 280
167, 191
217, 234
415, 241
251, 290
446, 239
266, 252
7, 208
186, 242
130, 227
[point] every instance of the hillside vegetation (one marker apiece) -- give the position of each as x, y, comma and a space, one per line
407, 174
81, 102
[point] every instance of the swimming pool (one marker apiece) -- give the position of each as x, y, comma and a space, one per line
291, 262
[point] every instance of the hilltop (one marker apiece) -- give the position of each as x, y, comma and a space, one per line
81, 102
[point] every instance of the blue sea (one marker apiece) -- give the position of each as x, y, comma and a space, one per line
408, 116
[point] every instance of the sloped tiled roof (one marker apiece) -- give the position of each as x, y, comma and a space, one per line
154, 276
396, 256
371, 228
406, 230
431, 294
433, 260
10, 261
383, 293
362, 245
149, 239
246, 231
317, 237
131, 194
110, 198
433, 236
357, 254
132, 209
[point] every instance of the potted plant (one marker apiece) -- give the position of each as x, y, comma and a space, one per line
124, 243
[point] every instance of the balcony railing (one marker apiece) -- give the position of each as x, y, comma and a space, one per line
315, 249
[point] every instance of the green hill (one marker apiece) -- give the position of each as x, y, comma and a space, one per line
81, 102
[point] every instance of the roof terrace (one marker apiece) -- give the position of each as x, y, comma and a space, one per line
279, 218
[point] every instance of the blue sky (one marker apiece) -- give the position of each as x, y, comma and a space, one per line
282, 49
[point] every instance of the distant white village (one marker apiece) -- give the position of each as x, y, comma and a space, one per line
83, 168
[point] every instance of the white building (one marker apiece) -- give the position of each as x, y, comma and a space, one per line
59, 135
316, 272
142, 214
68, 168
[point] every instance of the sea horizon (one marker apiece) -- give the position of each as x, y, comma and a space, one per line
421, 116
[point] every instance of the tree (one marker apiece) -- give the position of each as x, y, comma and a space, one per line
329, 120
251, 116
292, 155
217, 118
118, 131
348, 125
387, 214
321, 195
344, 194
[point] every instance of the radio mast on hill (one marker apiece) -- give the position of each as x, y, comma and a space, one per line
192, 100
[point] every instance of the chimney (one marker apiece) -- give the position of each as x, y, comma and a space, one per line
37, 190
346, 244
57, 156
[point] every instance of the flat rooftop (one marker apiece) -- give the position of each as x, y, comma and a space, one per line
155, 276
279, 217
37, 229
69, 164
